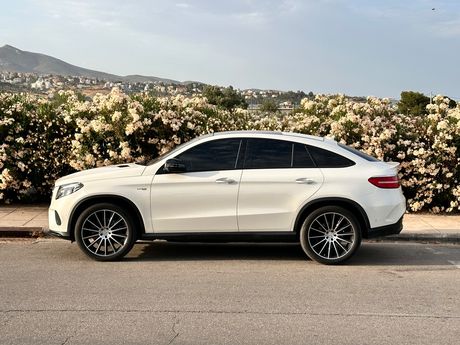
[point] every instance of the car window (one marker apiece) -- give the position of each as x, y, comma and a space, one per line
276, 154
174, 150
359, 153
268, 154
327, 159
212, 155
301, 157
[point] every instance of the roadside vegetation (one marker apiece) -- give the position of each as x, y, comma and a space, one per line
43, 138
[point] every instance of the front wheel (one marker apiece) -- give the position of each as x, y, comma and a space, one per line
105, 232
330, 235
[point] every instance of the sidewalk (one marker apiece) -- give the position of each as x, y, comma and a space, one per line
23, 221
32, 220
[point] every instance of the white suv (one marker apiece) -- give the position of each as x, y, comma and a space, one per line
234, 186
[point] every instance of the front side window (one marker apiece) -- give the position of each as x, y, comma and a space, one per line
212, 156
174, 150
276, 154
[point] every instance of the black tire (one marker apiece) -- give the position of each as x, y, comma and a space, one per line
105, 232
330, 235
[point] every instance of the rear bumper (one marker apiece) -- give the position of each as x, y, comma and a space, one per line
392, 229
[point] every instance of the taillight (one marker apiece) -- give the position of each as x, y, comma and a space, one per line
385, 181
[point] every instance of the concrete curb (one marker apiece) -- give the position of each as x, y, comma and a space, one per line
421, 237
21, 232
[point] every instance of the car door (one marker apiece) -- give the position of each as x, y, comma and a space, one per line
204, 198
278, 177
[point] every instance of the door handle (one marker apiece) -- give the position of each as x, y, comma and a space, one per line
304, 180
225, 180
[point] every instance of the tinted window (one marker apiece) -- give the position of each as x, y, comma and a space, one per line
328, 159
273, 154
212, 155
268, 154
302, 158
174, 150
359, 153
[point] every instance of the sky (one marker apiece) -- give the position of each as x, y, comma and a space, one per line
356, 47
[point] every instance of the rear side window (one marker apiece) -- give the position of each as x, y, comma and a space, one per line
301, 157
268, 154
359, 153
327, 159
276, 154
212, 156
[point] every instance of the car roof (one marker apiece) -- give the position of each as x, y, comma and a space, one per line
268, 134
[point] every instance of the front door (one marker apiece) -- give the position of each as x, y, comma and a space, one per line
204, 198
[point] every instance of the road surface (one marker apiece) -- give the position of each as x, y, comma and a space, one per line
165, 293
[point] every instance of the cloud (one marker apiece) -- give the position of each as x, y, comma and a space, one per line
82, 12
183, 5
447, 28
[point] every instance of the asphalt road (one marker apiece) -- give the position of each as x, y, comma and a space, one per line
163, 293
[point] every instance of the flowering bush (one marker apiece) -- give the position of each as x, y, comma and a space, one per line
44, 138
34, 141
427, 146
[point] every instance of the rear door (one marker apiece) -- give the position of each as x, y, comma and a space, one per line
278, 177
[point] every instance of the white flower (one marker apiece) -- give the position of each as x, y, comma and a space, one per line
21, 166
129, 129
116, 116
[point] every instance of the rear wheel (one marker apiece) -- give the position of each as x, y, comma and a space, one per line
330, 235
105, 232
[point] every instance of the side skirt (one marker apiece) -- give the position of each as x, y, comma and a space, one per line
223, 237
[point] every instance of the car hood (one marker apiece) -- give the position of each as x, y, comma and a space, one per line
108, 172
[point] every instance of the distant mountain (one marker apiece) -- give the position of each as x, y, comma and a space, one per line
15, 60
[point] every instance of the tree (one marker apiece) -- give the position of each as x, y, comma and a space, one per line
452, 103
269, 105
227, 98
413, 103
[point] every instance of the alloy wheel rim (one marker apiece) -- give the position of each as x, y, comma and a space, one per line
104, 232
331, 235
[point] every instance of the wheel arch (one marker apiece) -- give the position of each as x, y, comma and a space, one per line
107, 198
347, 204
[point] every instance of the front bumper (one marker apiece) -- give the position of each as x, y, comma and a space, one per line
59, 213
392, 229
63, 235
56, 226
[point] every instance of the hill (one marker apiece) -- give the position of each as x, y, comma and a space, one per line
15, 60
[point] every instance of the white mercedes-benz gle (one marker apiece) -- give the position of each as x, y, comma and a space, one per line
234, 186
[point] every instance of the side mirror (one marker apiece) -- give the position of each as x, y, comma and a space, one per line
174, 165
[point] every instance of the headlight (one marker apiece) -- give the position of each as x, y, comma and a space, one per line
68, 188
